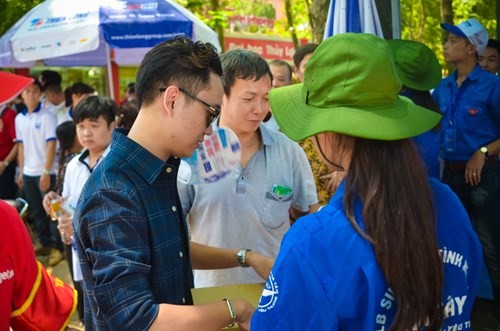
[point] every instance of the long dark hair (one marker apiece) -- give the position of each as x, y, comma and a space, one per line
390, 180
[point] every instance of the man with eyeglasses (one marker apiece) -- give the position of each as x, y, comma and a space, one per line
250, 209
131, 237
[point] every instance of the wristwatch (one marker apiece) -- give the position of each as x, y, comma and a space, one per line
484, 150
241, 256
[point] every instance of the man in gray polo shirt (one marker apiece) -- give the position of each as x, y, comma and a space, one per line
250, 209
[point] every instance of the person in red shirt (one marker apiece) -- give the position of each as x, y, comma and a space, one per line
31, 298
12, 85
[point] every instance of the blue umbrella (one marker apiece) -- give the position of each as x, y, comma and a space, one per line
352, 16
76, 32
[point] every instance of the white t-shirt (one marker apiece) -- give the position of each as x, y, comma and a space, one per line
34, 131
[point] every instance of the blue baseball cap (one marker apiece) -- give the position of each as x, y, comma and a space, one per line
471, 30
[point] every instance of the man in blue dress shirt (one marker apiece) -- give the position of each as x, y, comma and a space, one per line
470, 102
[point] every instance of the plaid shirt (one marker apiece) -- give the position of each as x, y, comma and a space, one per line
131, 239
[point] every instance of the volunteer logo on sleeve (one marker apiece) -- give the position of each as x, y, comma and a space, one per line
269, 295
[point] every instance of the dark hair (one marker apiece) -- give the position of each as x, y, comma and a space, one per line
493, 43
37, 83
67, 97
389, 178
423, 99
242, 64
66, 134
281, 63
302, 51
53, 87
80, 88
131, 88
93, 107
127, 113
176, 61
50, 77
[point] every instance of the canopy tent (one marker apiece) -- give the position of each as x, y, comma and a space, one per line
97, 32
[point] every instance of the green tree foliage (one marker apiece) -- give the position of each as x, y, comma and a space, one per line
420, 19
12, 10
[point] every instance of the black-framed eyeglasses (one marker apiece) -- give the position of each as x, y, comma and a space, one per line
213, 111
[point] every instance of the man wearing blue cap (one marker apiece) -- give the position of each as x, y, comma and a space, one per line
470, 102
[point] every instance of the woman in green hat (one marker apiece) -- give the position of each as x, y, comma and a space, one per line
393, 249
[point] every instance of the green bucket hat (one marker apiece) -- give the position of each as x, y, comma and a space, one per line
350, 87
416, 64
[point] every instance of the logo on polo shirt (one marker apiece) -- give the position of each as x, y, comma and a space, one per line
269, 295
472, 111
6, 275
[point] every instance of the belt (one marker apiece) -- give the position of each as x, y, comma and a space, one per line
460, 165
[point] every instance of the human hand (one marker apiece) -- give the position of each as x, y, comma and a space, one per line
46, 202
44, 182
473, 168
2, 167
65, 227
20, 181
244, 312
260, 263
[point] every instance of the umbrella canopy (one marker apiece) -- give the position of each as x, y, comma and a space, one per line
75, 32
352, 16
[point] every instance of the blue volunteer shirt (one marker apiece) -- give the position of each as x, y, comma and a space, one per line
326, 276
471, 113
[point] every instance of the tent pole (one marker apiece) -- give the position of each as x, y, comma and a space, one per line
396, 19
109, 71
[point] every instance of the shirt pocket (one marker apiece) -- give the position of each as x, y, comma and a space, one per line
472, 116
275, 210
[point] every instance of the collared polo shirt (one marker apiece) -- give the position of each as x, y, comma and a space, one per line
34, 131
244, 209
471, 113
77, 173
326, 276
131, 239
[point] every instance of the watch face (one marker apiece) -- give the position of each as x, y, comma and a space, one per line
483, 150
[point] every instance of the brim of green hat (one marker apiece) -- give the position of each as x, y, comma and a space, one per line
427, 81
396, 121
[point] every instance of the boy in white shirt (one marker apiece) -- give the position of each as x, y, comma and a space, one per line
36, 139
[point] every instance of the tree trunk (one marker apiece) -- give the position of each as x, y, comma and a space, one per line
318, 14
219, 28
446, 17
291, 25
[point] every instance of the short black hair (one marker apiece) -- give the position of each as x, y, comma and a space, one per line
176, 61
37, 83
242, 64
127, 113
493, 43
80, 88
53, 87
94, 106
131, 88
281, 63
66, 134
302, 51
50, 77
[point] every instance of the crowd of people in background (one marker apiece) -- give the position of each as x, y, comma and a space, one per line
363, 172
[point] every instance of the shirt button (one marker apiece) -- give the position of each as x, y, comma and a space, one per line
180, 254
183, 300
168, 170
174, 208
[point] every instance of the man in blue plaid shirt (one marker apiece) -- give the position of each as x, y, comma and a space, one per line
131, 238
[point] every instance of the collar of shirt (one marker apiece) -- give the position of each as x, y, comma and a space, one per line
85, 160
473, 75
37, 109
147, 165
